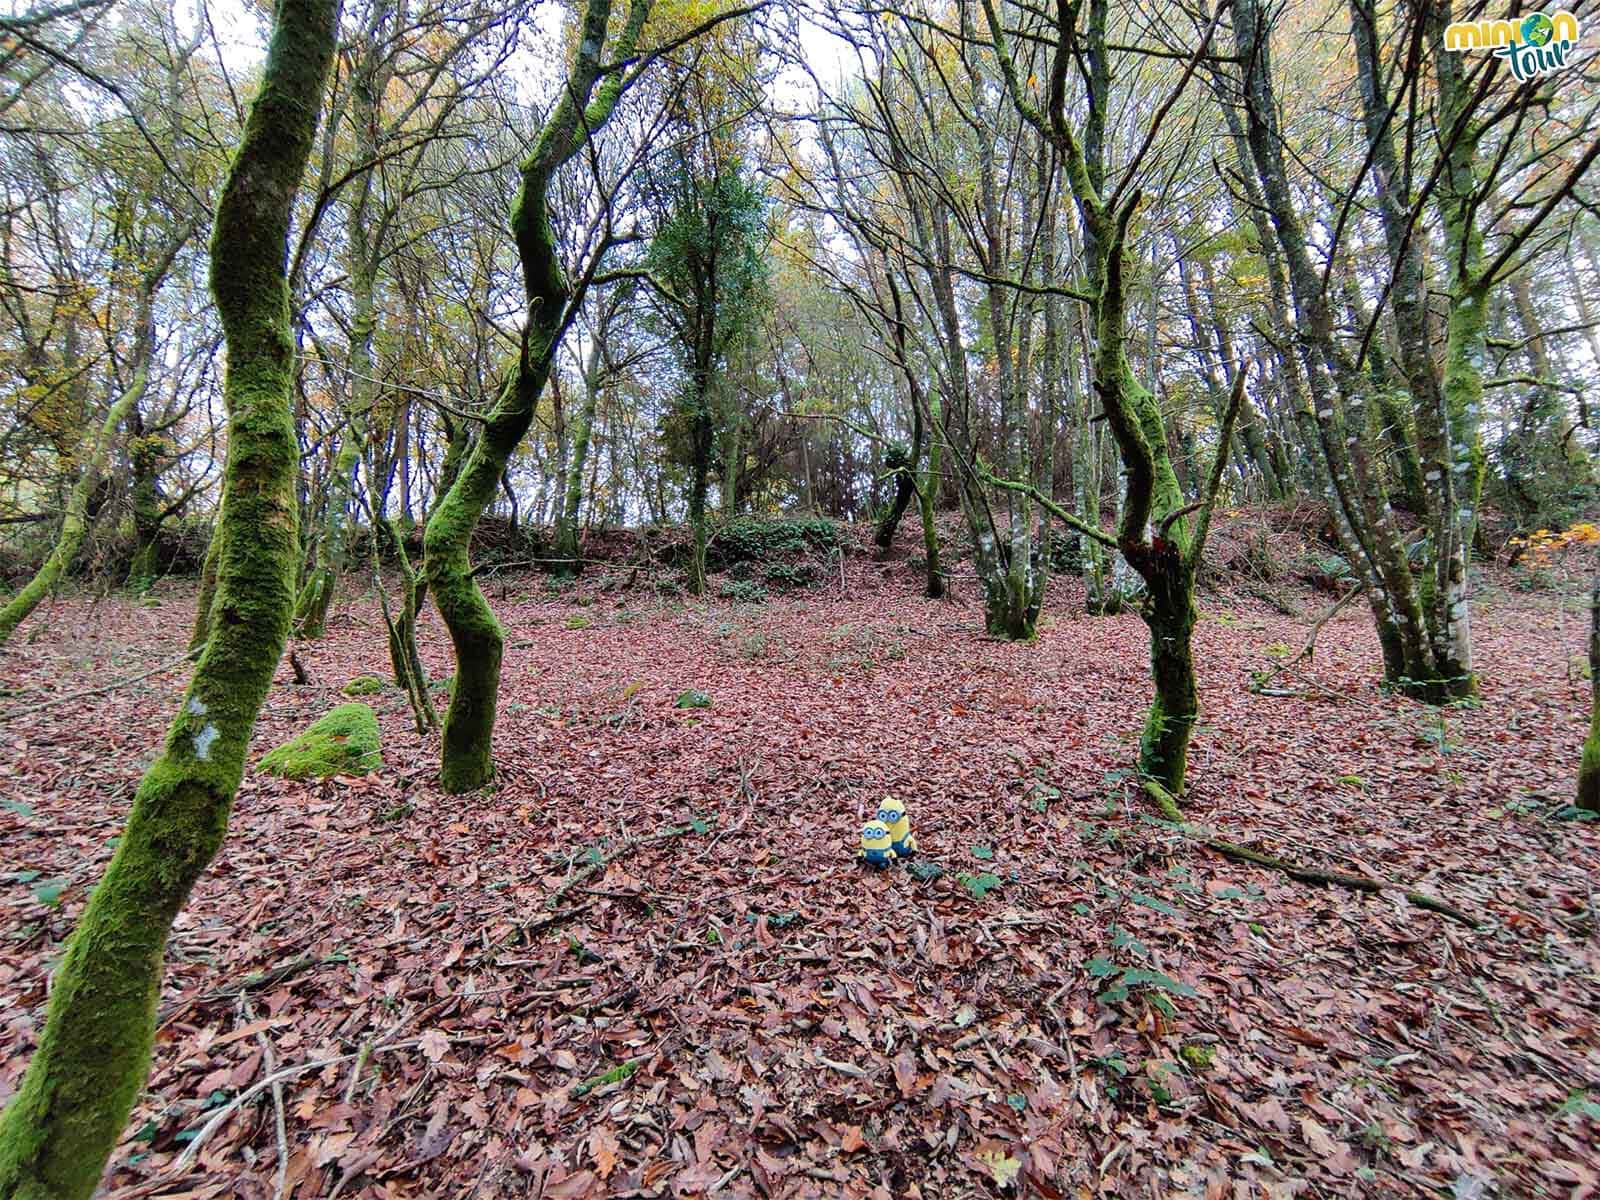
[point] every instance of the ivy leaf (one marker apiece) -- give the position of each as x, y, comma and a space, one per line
49, 892
980, 885
1160, 906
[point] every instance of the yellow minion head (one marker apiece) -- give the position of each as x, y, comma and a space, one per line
877, 848
892, 813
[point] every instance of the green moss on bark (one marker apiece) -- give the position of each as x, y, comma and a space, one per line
208, 587
344, 741
466, 760
94, 1051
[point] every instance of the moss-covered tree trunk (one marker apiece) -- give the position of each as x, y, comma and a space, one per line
144, 460
75, 519
75, 515
923, 477
701, 434
373, 68
1154, 533
467, 759
1338, 427
206, 599
580, 435
927, 492
1589, 768
1171, 615
94, 1052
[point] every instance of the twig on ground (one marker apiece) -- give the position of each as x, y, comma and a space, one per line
275, 1078
622, 851
269, 1060
252, 982
1361, 883
1308, 650
97, 691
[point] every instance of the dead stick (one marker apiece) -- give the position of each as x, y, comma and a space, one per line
96, 691
1361, 883
1307, 650
621, 851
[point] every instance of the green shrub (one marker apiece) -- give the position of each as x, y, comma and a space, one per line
761, 539
1066, 553
742, 591
790, 575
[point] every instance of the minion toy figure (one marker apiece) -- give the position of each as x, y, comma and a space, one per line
876, 849
892, 813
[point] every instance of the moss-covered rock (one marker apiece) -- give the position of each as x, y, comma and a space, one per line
364, 685
343, 742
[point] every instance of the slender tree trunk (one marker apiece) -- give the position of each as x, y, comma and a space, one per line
1589, 768
467, 760
94, 1052
701, 434
579, 435
927, 493
1357, 500
371, 77
144, 457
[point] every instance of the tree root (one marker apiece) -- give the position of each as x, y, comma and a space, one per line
1313, 875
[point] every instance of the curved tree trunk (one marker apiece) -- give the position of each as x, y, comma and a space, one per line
926, 493
467, 760
1589, 768
75, 521
1167, 555
94, 1053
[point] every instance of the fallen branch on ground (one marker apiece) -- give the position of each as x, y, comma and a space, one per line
1308, 650
105, 687
1360, 883
253, 982
604, 861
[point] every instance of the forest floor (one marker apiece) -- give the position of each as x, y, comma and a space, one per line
1084, 1001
